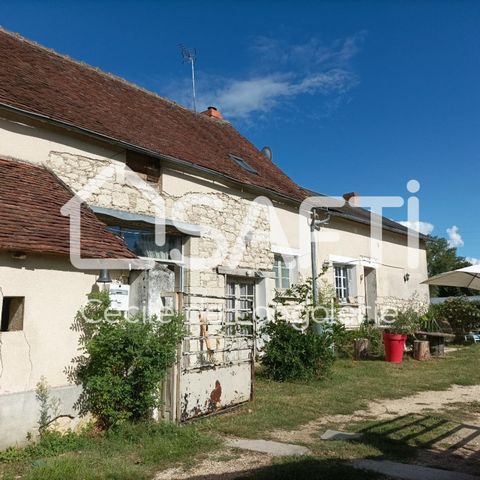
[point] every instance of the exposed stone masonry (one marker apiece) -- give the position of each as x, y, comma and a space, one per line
244, 226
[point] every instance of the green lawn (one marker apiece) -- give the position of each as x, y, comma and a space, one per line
351, 386
410, 438
136, 453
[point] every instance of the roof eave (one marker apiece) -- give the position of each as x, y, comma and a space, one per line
130, 146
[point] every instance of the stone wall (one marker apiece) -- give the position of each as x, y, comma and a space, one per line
385, 306
244, 226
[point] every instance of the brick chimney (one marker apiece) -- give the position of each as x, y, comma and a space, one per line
353, 198
212, 112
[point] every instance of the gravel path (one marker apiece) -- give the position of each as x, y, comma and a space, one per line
230, 464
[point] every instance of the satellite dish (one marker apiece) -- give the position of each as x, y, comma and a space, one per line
267, 151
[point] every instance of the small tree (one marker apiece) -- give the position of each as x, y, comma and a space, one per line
298, 350
49, 406
124, 361
293, 354
443, 258
462, 315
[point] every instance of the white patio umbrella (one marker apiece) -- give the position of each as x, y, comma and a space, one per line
468, 277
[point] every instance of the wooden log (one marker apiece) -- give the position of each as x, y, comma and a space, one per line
361, 348
421, 350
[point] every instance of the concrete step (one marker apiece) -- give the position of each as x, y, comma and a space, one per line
276, 449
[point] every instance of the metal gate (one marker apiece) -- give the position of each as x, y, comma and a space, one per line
216, 358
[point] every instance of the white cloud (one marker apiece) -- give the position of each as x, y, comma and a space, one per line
281, 72
422, 227
473, 260
308, 54
454, 237
242, 98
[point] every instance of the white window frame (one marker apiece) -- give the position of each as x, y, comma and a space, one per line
282, 264
343, 283
240, 303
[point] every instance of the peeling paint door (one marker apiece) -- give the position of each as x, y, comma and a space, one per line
217, 358
155, 292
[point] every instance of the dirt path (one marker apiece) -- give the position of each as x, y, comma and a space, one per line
423, 402
229, 464
224, 464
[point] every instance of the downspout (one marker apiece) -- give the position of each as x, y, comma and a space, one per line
315, 225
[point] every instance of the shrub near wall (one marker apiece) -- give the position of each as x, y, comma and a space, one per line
301, 348
462, 315
294, 354
124, 361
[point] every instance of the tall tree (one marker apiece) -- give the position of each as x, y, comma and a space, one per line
443, 258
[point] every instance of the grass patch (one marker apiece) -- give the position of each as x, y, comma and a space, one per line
400, 437
129, 453
406, 437
138, 452
351, 386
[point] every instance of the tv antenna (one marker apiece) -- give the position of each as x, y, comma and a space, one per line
190, 55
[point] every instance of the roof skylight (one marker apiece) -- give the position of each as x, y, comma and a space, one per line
242, 163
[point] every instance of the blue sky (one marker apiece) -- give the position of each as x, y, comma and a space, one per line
350, 96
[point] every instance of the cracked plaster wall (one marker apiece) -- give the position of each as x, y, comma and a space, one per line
53, 293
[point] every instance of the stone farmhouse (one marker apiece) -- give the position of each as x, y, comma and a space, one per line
233, 225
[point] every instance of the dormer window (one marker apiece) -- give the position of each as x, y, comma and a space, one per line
242, 163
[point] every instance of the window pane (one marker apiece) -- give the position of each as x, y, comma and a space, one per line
230, 308
342, 280
239, 308
283, 272
142, 243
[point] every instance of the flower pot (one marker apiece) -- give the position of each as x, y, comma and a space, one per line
394, 347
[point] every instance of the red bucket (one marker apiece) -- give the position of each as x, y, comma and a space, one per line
394, 344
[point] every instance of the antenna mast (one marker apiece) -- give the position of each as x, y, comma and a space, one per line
191, 56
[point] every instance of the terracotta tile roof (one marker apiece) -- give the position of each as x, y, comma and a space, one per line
30, 201
40, 81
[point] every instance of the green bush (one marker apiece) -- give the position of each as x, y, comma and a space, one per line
293, 354
406, 321
123, 363
374, 336
462, 315
344, 339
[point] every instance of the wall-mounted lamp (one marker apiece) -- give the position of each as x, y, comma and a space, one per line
406, 277
104, 276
